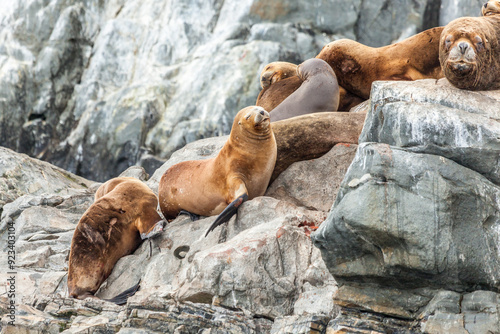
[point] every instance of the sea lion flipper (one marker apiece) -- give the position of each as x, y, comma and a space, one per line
228, 212
121, 298
193, 216
154, 231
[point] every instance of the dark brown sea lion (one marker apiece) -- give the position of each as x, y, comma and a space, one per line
357, 65
111, 228
318, 92
311, 136
470, 52
217, 186
492, 7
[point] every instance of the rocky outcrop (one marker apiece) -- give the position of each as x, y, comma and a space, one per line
414, 231
96, 87
258, 274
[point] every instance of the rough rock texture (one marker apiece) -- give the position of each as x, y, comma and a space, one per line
415, 229
258, 274
98, 86
314, 183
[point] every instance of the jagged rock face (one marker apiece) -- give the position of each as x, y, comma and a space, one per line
258, 274
418, 212
95, 87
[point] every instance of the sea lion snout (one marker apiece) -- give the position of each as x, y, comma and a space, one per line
463, 46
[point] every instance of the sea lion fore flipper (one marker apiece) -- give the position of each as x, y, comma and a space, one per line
228, 212
193, 216
155, 230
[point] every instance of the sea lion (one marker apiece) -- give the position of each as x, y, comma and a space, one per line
318, 92
124, 210
279, 80
218, 186
276, 71
357, 65
469, 52
311, 136
492, 7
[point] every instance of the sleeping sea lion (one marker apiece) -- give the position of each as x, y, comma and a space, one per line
280, 80
124, 210
318, 92
492, 7
357, 65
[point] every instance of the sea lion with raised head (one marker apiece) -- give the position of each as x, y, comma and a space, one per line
124, 211
357, 65
469, 52
218, 186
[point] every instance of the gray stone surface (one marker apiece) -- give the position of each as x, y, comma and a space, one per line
314, 183
413, 220
433, 117
96, 87
413, 234
261, 264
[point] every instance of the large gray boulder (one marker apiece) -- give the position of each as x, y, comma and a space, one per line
417, 214
95, 87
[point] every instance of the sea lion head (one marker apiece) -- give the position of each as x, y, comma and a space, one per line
254, 120
463, 51
312, 67
276, 71
492, 7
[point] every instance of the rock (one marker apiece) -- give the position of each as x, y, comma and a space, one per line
198, 281
314, 183
300, 325
364, 241
475, 312
452, 9
417, 214
21, 175
110, 84
432, 117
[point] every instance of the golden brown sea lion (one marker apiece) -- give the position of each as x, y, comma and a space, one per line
492, 7
218, 186
276, 71
318, 92
357, 65
124, 209
470, 52
279, 81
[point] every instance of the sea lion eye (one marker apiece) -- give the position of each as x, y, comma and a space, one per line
247, 116
479, 43
447, 42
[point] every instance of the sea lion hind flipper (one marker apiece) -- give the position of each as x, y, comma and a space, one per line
228, 212
121, 298
193, 216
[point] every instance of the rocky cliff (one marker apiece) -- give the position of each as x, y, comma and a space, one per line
400, 234
97, 86
408, 238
